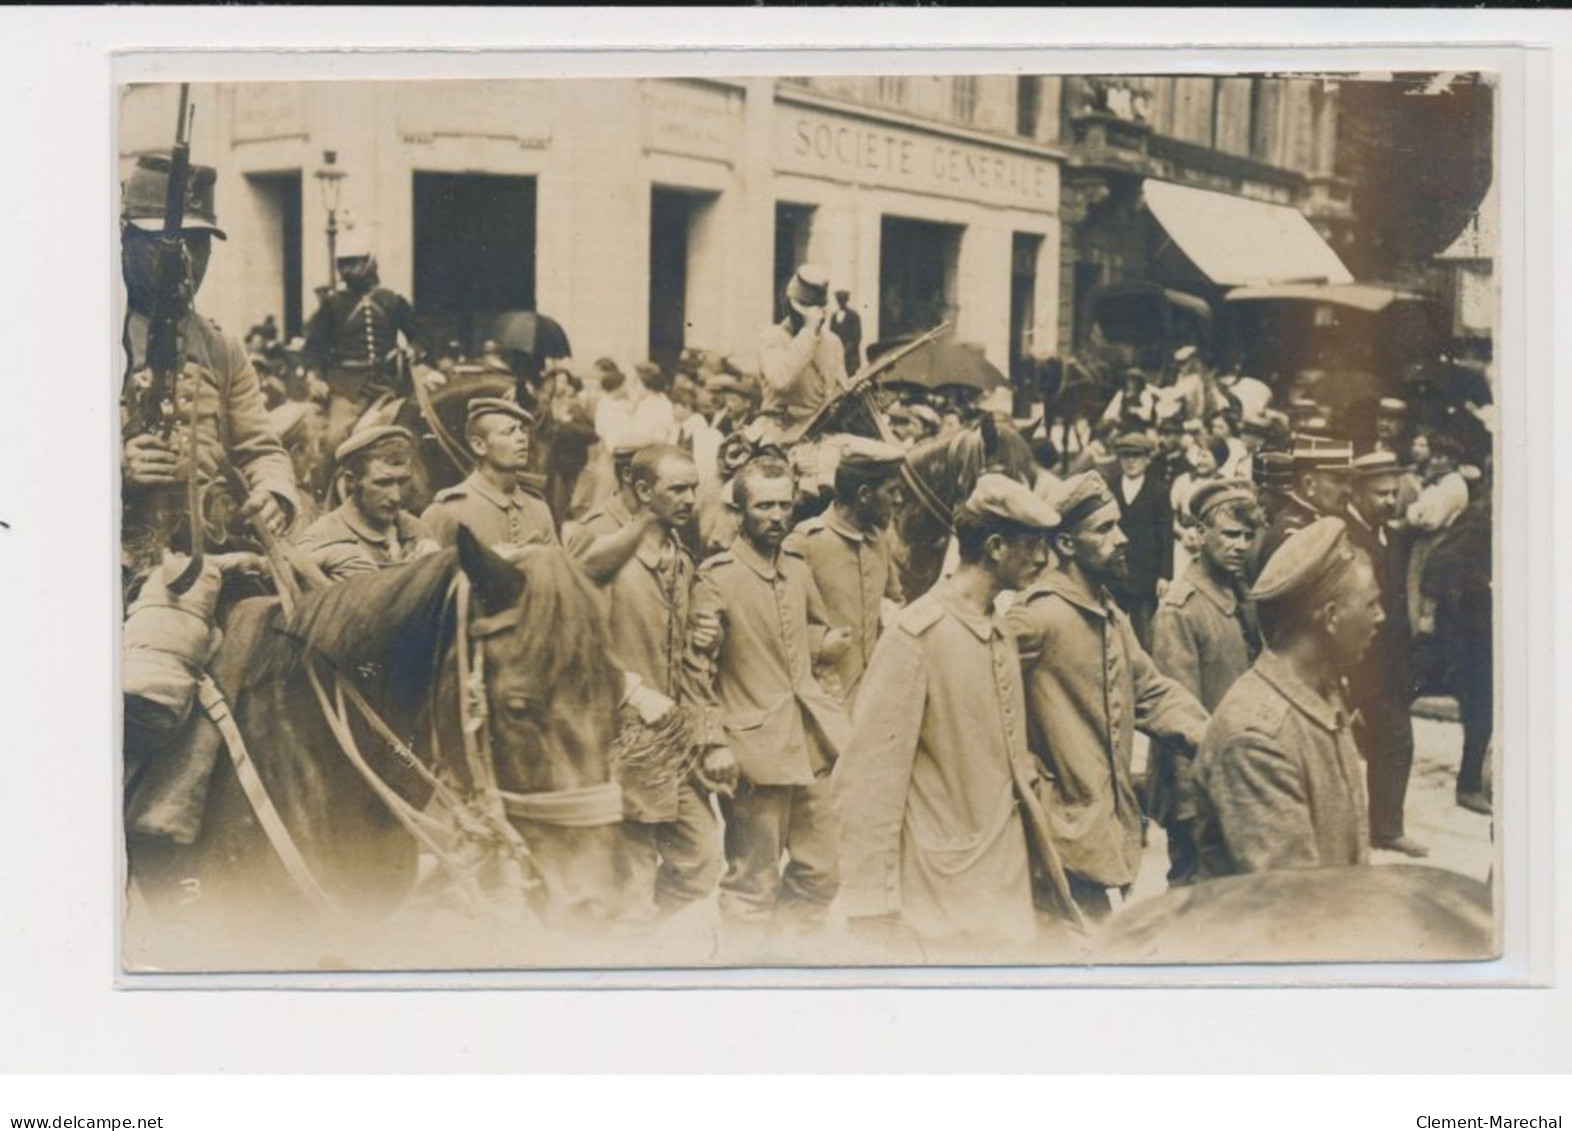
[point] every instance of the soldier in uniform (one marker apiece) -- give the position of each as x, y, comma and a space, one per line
941, 830
370, 530
1320, 489
802, 360
847, 549
1204, 636
764, 718
493, 501
232, 423
1089, 686
351, 338
1280, 780
1381, 688
631, 548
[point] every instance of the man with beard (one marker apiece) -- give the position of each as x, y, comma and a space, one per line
847, 549
1280, 779
1203, 636
1319, 490
763, 717
942, 832
1380, 687
370, 530
803, 362
493, 501
1089, 686
632, 549
350, 340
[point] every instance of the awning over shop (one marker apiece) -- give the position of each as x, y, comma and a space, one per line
1358, 296
1238, 242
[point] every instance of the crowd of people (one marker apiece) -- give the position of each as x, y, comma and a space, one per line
1230, 571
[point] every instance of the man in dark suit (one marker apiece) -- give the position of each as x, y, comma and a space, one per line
846, 324
1379, 688
1146, 517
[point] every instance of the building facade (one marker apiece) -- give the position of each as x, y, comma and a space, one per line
644, 215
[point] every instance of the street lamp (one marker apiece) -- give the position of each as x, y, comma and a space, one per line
330, 179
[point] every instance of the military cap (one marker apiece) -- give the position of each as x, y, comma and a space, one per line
1083, 496
142, 197
999, 496
1219, 493
870, 456
1311, 560
1139, 442
810, 286
1274, 471
1392, 406
367, 437
1321, 453
482, 406
1372, 464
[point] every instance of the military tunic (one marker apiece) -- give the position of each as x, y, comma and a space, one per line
497, 518
1281, 784
351, 335
855, 576
1089, 686
801, 371
343, 544
927, 794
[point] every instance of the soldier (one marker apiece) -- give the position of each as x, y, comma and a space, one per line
941, 829
1204, 636
1280, 779
370, 530
632, 549
847, 549
763, 716
351, 338
493, 501
803, 362
232, 422
1320, 489
1089, 686
1381, 688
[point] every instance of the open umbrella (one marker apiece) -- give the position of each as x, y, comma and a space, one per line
530, 332
939, 363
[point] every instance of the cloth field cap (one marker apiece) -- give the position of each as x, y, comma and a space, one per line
1312, 560
367, 437
870, 456
142, 197
810, 286
481, 406
1219, 493
1083, 496
1138, 442
999, 496
1372, 464
1321, 453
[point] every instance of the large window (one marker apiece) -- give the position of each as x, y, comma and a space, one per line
917, 275
963, 97
1028, 104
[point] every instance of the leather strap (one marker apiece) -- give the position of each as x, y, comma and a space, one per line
585, 808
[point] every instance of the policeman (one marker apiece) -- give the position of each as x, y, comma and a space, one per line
1281, 783
232, 419
847, 549
1320, 489
370, 530
494, 502
351, 339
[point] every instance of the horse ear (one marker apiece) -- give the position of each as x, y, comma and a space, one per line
497, 584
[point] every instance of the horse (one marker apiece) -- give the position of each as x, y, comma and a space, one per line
949, 467
520, 671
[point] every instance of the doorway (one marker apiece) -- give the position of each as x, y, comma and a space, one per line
274, 275
474, 252
685, 272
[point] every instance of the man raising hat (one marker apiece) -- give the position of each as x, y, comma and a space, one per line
803, 362
847, 549
370, 530
1089, 686
943, 839
493, 502
1380, 688
231, 424
1281, 784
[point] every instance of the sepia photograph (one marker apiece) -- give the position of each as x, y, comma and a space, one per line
816, 521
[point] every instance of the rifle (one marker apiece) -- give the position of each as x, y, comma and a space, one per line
156, 410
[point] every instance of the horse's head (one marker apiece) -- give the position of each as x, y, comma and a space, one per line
551, 708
